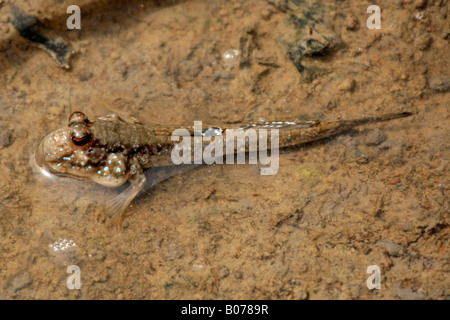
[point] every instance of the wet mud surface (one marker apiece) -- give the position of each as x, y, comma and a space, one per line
377, 195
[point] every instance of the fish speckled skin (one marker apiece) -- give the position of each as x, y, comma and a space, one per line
111, 151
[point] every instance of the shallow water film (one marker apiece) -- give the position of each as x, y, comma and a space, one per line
374, 195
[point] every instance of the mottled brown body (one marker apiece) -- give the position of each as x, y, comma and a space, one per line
111, 151
120, 134
154, 140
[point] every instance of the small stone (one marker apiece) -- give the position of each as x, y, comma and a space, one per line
439, 83
223, 272
223, 12
21, 133
347, 85
85, 75
300, 293
237, 6
423, 42
238, 275
6, 138
19, 282
375, 137
404, 76
409, 294
420, 15
351, 23
367, 250
266, 13
85, 43
420, 4
97, 255
392, 248
114, 55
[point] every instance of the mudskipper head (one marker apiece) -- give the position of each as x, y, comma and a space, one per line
74, 152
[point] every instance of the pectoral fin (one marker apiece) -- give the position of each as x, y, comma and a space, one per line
117, 206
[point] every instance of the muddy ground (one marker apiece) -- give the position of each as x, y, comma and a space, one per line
377, 195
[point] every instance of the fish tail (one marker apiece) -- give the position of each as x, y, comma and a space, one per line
385, 117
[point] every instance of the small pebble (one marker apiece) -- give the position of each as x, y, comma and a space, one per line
375, 137
351, 23
96, 255
347, 85
420, 4
223, 13
20, 281
423, 42
266, 13
6, 138
21, 133
409, 294
420, 15
114, 55
300, 293
237, 6
392, 248
85, 75
439, 83
238, 275
223, 272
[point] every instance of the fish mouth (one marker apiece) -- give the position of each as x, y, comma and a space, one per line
38, 162
39, 155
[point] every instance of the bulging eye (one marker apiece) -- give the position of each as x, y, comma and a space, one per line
77, 118
80, 136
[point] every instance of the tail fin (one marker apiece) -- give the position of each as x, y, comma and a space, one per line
385, 117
